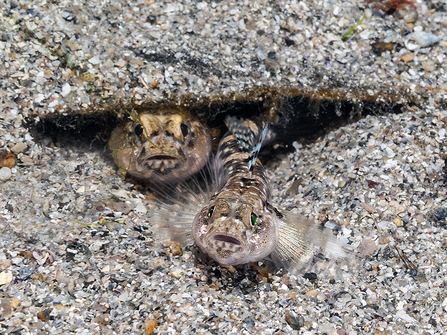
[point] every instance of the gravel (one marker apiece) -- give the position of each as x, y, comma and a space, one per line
76, 252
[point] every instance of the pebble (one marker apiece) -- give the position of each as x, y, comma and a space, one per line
293, 189
177, 273
176, 248
95, 60
103, 319
5, 307
312, 293
295, 322
7, 159
410, 17
66, 89
149, 326
14, 302
44, 315
5, 278
397, 221
368, 207
420, 39
19, 147
366, 247
380, 47
5, 173
428, 66
408, 57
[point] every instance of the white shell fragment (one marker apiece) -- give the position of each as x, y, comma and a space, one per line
420, 39
5, 278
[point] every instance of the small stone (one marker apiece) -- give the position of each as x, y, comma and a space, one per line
368, 207
121, 207
27, 160
295, 322
103, 319
293, 189
45, 314
444, 304
365, 34
176, 248
397, 221
80, 190
312, 293
14, 302
149, 326
136, 61
271, 65
121, 63
410, 17
366, 247
428, 65
95, 60
379, 47
310, 276
19, 147
407, 57
372, 184
5, 277
419, 218
5, 173
7, 159
66, 89
87, 76
5, 307
177, 273
155, 35
25, 272
140, 208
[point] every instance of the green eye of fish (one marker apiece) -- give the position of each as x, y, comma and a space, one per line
139, 130
254, 219
210, 211
185, 130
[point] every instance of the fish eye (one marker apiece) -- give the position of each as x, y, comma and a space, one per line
210, 211
185, 130
254, 219
139, 130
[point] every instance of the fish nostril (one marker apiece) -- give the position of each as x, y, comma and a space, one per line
227, 239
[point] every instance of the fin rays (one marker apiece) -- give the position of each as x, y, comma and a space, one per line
300, 240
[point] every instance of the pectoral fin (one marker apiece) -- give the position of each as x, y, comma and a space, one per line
301, 240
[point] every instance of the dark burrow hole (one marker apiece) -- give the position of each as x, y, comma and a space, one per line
297, 119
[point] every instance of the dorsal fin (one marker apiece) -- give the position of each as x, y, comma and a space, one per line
249, 135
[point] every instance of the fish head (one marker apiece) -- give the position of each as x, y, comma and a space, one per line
161, 148
233, 231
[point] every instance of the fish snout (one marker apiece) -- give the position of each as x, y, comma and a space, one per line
226, 249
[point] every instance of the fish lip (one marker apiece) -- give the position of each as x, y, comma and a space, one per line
227, 239
163, 157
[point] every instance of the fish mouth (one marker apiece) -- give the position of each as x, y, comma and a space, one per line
227, 239
158, 162
162, 158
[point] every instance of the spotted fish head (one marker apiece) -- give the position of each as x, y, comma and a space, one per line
234, 231
161, 148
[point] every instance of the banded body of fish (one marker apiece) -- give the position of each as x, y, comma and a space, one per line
161, 148
233, 220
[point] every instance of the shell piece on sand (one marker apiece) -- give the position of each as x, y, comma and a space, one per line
5, 278
420, 39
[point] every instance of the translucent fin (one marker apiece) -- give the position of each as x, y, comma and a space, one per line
173, 222
302, 243
176, 205
249, 135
